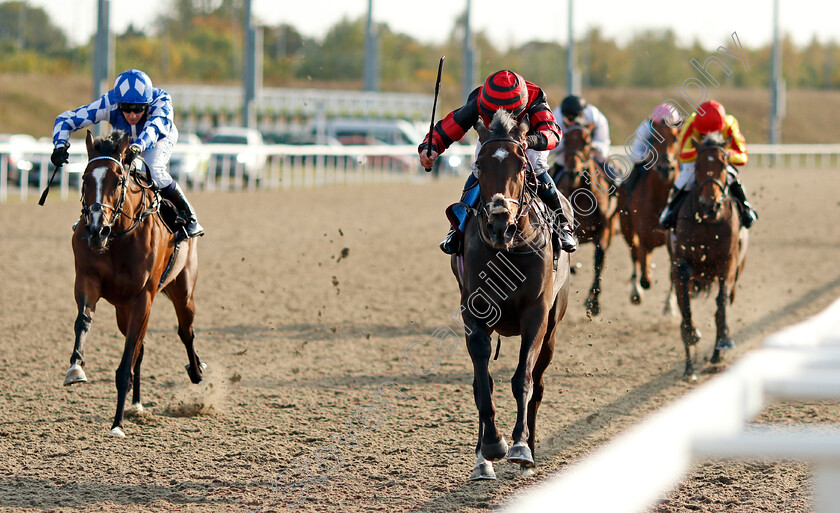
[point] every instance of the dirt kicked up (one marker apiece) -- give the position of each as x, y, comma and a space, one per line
307, 301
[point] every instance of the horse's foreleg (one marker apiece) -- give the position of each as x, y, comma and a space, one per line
593, 306
86, 303
681, 276
492, 444
723, 340
135, 388
522, 384
636, 254
543, 360
137, 315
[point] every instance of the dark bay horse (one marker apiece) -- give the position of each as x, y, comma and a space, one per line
587, 187
509, 286
125, 254
641, 205
708, 245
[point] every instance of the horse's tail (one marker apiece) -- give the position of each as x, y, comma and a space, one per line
700, 287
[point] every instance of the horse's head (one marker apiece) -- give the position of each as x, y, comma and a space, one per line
104, 185
501, 164
710, 173
663, 142
577, 148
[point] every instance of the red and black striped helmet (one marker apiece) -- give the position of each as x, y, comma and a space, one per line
503, 90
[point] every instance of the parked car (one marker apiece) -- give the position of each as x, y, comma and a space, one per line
17, 157
189, 160
246, 151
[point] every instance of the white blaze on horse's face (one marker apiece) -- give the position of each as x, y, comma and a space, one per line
98, 175
501, 154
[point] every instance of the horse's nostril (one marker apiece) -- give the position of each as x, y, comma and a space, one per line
509, 231
105, 232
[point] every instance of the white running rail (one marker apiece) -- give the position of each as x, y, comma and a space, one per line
630, 473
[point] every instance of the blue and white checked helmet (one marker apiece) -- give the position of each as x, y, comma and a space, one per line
133, 86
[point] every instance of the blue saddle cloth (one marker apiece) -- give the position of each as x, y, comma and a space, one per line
458, 214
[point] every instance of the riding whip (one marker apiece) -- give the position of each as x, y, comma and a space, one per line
434, 106
47, 190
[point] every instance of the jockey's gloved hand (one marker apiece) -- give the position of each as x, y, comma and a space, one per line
60, 155
424, 147
132, 153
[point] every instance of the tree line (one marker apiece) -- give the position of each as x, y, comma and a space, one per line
201, 41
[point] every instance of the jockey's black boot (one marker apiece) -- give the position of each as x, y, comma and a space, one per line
748, 213
174, 194
451, 245
668, 218
548, 192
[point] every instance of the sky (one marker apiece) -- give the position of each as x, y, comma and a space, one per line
431, 21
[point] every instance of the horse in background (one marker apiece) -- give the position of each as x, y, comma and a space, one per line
509, 286
708, 246
642, 198
590, 192
126, 254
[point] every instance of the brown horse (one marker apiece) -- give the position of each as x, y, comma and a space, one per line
708, 245
509, 286
125, 254
590, 194
642, 204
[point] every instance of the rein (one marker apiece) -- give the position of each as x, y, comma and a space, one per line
118, 211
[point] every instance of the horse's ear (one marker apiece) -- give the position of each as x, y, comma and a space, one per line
481, 130
123, 144
591, 126
89, 142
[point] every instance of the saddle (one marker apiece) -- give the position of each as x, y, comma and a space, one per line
173, 219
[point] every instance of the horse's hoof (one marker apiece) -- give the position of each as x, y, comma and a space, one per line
494, 451
134, 408
75, 374
644, 283
483, 471
725, 343
635, 298
521, 454
690, 377
117, 432
197, 379
526, 471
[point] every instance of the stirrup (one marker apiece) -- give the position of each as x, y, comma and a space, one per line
193, 229
568, 241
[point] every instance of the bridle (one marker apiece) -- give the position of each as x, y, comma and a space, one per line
579, 154
118, 210
724, 186
526, 197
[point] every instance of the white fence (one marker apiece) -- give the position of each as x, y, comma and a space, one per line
223, 167
232, 167
641, 465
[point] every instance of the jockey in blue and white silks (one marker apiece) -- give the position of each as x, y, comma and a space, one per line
145, 113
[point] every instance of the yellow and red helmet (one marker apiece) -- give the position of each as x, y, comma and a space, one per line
711, 117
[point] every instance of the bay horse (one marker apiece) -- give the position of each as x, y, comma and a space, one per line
125, 254
708, 245
643, 202
587, 187
509, 286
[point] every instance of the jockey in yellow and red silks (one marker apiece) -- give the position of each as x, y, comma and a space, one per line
710, 117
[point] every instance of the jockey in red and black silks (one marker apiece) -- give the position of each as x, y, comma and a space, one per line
508, 91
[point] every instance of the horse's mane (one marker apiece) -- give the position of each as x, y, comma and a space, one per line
712, 139
502, 123
110, 144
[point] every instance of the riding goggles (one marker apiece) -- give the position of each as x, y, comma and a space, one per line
135, 108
